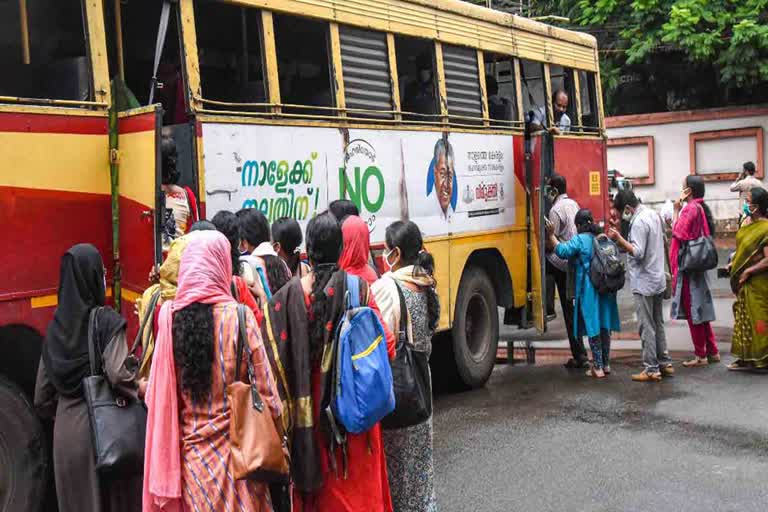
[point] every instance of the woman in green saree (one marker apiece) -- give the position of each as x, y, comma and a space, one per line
749, 280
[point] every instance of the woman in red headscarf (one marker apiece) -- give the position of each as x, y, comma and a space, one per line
354, 258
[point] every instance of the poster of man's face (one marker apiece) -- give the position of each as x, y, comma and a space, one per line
442, 176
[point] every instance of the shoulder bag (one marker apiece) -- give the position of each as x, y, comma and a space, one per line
411, 379
259, 452
118, 421
699, 255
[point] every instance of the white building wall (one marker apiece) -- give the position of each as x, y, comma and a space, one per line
724, 151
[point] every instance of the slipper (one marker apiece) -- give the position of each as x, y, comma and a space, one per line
737, 366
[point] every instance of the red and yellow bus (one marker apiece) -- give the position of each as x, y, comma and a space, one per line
410, 108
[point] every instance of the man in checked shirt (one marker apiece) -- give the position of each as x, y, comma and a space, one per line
561, 216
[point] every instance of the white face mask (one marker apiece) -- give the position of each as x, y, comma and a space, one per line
386, 259
627, 215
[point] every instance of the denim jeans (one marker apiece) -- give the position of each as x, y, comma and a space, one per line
650, 320
601, 349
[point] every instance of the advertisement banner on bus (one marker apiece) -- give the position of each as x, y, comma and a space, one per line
446, 183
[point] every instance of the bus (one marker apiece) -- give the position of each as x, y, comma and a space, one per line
412, 109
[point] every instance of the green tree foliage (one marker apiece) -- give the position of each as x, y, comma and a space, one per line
732, 35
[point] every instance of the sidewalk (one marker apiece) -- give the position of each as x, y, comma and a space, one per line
678, 336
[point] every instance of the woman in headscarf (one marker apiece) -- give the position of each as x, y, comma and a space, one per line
749, 280
63, 365
301, 323
188, 447
692, 300
409, 451
354, 258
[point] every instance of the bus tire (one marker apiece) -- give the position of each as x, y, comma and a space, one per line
475, 330
24, 459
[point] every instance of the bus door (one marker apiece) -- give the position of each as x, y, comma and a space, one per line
582, 161
538, 167
141, 201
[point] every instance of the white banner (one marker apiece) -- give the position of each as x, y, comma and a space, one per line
445, 183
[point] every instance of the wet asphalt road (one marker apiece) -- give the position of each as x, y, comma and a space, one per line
541, 438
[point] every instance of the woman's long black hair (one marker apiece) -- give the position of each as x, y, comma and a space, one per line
286, 231
169, 158
254, 228
406, 236
696, 184
324, 245
193, 348
585, 222
228, 225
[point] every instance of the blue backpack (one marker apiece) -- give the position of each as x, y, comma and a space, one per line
362, 378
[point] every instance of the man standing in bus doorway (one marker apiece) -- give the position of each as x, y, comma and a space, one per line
442, 177
562, 216
559, 109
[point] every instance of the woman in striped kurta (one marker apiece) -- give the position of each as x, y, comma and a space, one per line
208, 483
188, 445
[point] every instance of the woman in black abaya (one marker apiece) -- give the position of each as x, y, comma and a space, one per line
59, 393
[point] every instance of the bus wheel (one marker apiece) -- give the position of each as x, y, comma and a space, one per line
475, 328
23, 453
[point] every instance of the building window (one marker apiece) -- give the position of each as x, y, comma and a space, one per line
501, 88
418, 84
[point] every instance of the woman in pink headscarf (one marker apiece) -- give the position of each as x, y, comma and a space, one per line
187, 448
354, 258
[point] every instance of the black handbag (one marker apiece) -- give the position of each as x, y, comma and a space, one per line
411, 380
698, 255
118, 421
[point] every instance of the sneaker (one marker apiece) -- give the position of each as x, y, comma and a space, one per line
644, 376
667, 371
696, 362
713, 359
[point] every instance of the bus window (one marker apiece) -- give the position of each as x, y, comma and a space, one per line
365, 66
230, 54
590, 119
416, 72
562, 80
534, 92
462, 84
500, 86
139, 24
303, 63
52, 62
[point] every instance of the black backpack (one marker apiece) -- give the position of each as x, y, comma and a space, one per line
606, 271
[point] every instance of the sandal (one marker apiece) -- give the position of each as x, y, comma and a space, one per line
607, 370
592, 372
737, 365
696, 362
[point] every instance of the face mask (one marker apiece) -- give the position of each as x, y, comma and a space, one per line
627, 215
386, 259
686, 193
745, 208
551, 193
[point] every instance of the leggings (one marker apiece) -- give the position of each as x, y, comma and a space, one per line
601, 349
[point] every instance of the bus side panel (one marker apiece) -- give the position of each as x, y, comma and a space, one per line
582, 162
535, 180
54, 193
138, 189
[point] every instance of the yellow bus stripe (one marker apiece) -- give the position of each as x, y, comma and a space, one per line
369, 350
51, 300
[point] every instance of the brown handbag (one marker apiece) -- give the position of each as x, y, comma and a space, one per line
258, 451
